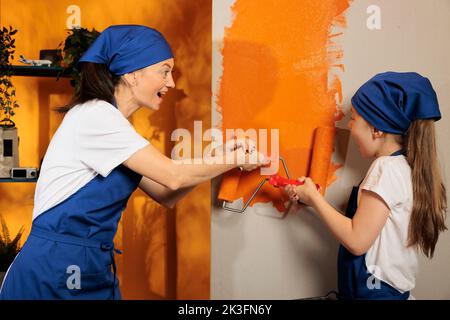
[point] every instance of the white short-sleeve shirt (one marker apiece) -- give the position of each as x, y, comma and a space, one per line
389, 258
93, 138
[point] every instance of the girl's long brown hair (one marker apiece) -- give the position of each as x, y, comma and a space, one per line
430, 200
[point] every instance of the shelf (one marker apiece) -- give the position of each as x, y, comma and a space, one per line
17, 180
39, 71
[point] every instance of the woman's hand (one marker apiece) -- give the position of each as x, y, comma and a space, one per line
245, 144
250, 164
305, 193
248, 157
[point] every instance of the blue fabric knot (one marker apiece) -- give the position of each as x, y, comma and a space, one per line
106, 246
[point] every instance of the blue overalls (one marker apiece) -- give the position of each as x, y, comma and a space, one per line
353, 276
70, 251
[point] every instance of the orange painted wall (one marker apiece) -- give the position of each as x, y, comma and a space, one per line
277, 57
165, 252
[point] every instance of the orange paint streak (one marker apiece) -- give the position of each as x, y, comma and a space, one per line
275, 75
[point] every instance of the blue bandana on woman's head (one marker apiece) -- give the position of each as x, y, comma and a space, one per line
390, 101
127, 48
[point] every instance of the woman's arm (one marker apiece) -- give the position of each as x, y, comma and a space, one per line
357, 234
175, 175
162, 194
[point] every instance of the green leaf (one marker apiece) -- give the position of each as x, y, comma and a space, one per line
8, 248
5, 231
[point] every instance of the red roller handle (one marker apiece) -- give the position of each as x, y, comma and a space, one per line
280, 182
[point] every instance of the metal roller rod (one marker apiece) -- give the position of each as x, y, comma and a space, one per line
224, 205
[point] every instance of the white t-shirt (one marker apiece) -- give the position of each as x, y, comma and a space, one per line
93, 138
389, 258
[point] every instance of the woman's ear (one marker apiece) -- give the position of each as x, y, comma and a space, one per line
130, 79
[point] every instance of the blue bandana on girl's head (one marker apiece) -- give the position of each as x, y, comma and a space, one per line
390, 101
127, 48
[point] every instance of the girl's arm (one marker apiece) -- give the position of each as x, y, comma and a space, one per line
357, 234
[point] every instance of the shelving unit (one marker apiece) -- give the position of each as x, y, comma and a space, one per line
35, 71
17, 180
39, 71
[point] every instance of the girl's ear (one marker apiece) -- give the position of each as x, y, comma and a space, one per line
377, 133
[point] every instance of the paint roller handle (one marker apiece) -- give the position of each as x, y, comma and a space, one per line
280, 182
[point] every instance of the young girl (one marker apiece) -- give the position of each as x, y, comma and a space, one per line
400, 205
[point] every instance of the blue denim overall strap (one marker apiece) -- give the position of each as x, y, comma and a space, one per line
353, 276
90, 243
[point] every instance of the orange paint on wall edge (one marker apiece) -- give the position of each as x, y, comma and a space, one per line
276, 61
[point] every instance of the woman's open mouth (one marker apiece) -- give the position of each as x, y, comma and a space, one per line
160, 95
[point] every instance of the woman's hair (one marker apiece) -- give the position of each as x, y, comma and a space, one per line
96, 82
429, 195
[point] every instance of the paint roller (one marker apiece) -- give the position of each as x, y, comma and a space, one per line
320, 161
229, 185
318, 171
321, 156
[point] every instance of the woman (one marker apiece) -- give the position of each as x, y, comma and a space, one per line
94, 162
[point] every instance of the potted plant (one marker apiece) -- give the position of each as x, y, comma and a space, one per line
8, 248
9, 140
75, 45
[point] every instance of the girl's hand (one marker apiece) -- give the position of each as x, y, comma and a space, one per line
291, 192
305, 193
